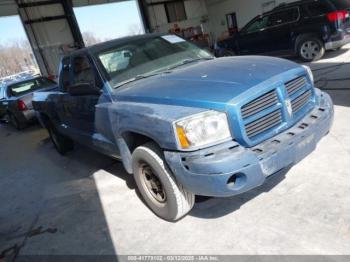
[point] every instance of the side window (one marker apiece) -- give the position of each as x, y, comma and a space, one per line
317, 8
283, 17
84, 71
257, 25
64, 74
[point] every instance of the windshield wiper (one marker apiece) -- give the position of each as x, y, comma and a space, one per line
138, 77
168, 70
188, 61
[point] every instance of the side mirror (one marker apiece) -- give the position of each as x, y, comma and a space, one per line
83, 89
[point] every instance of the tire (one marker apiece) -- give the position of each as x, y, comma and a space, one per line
310, 48
62, 143
171, 201
15, 122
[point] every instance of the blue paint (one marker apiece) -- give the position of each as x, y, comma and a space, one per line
206, 172
150, 106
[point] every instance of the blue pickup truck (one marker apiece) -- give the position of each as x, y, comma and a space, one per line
183, 122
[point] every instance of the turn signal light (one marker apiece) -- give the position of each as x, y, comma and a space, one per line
182, 137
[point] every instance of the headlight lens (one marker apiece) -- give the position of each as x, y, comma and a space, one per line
202, 129
309, 72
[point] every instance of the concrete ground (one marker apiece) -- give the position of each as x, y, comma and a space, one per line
85, 203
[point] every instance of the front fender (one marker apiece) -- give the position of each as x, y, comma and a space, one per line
151, 120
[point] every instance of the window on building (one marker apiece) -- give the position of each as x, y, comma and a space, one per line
175, 11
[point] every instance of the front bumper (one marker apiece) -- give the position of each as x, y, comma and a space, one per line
229, 169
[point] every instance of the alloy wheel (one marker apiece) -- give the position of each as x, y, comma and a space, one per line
309, 50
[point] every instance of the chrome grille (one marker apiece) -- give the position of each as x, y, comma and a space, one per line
264, 123
295, 85
301, 100
259, 104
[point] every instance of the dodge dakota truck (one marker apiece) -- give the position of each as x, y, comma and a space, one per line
183, 122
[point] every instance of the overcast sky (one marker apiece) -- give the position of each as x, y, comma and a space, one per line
105, 21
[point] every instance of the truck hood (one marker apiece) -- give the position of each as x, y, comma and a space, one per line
206, 84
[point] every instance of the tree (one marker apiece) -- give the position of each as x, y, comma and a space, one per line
90, 38
16, 57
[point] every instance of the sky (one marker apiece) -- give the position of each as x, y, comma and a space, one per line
109, 20
11, 29
105, 21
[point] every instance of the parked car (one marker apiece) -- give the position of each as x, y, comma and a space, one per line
16, 100
183, 122
2, 107
306, 28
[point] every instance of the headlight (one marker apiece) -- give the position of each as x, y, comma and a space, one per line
202, 129
309, 72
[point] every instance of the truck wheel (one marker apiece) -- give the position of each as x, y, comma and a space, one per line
62, 143
163, 194
15, 122
310, 48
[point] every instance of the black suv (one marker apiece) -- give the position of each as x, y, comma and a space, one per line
306, 28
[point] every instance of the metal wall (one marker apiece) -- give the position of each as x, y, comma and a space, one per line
51, 27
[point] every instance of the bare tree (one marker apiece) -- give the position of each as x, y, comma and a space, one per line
90, 38
15, 57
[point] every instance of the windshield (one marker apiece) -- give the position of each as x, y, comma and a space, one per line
29, 86
144, 57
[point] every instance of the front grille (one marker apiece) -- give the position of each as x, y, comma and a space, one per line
300, 101
262, 102
295, 85
264, 123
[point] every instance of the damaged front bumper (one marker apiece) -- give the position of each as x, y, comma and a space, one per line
229, 169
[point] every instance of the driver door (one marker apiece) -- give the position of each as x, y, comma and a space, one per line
79, 110
253, 39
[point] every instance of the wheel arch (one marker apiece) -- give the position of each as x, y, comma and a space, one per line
128, 142
304, 35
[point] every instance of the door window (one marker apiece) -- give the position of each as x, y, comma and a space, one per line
284, 17
83, 71
258, 24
